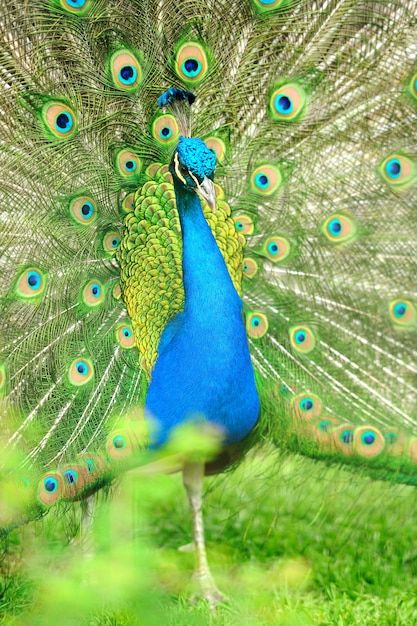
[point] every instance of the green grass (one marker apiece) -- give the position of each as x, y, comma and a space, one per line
291, 543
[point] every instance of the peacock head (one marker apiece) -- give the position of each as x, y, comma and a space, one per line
192, 167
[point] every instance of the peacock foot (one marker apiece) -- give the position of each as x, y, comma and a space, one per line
207, 590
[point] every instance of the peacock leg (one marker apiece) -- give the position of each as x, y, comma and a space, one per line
193, 475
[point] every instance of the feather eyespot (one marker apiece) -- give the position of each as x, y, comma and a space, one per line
59, 119
276, 249
403, 313
165, 129
191, 62
71, 476
268, 5
339, 228
123, 443
125, 70
90, 467
368, 441
111, 242
302, 339
128, 164
80, 372
287, 102
50, 488
398, 170
93, 293
50, 484
326, 424
83, 210
74, 478
343, 437
323, 429
256, 325
218, 146
75, 6
307, 406
250, 267
166, 133
266, 179
119, 442
244, 224
125, 336
31, 283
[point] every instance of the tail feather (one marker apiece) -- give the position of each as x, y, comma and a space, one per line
311, 108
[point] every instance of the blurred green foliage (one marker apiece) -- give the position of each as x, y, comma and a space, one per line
291, 543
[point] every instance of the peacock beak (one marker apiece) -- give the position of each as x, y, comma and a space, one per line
206, 190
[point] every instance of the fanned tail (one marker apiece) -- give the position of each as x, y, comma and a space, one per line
311, 111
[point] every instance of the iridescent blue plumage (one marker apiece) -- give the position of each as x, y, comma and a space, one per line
203, 371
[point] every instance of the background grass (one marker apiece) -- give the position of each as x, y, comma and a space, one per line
291, 543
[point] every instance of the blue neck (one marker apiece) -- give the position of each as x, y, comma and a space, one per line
207, 284
203, 370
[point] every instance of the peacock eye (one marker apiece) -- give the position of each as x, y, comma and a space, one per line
51, 485
398, 170
403, 313
165, 129
125, 70
166, 132
191, 62
75, 6
80, 372
71, 477
125, 336
59, 119
119, 442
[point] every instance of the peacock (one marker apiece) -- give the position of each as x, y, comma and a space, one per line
207, 223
